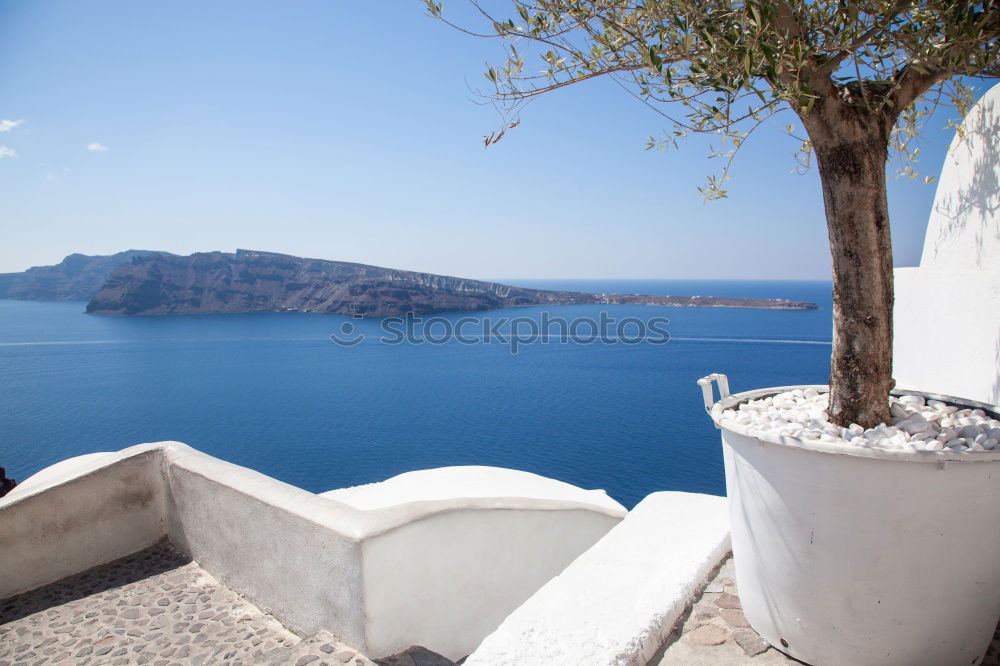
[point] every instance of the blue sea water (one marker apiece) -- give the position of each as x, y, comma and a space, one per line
272, 392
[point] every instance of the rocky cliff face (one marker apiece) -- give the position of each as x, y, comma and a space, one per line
77, 278
249, 281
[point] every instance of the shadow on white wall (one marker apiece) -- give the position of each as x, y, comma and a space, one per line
963, 227
947, 312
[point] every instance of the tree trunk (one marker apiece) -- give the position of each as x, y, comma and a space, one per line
851, 147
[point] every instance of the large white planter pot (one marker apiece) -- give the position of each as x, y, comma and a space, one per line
855, 556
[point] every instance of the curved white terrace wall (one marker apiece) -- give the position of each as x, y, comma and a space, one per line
60, 471
436, 558
451, 577
947, 313
470, 482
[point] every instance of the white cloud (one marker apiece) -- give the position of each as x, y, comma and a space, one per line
97, 147
8, 125
7, 152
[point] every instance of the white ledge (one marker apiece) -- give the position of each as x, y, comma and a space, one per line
617, 603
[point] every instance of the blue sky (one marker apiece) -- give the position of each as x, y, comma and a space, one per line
346, 130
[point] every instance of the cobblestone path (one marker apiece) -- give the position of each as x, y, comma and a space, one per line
154, 607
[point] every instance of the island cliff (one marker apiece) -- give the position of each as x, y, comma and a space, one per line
76, 278
250, 281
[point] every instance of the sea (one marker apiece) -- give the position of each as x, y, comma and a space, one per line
599, 396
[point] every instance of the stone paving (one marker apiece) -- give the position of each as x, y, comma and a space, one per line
715, 632
158, 607
154, 607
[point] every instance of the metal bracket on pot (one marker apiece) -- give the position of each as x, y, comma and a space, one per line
706, 388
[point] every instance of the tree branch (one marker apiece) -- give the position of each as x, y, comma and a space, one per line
910, 85
515, 94
863, 39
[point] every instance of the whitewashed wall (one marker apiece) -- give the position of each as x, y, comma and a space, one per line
438, 558
287, 550
947, 314
487, 540
80, 516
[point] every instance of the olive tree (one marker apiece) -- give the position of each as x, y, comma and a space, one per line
861, 76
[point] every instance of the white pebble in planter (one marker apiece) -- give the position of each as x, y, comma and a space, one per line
917, 424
